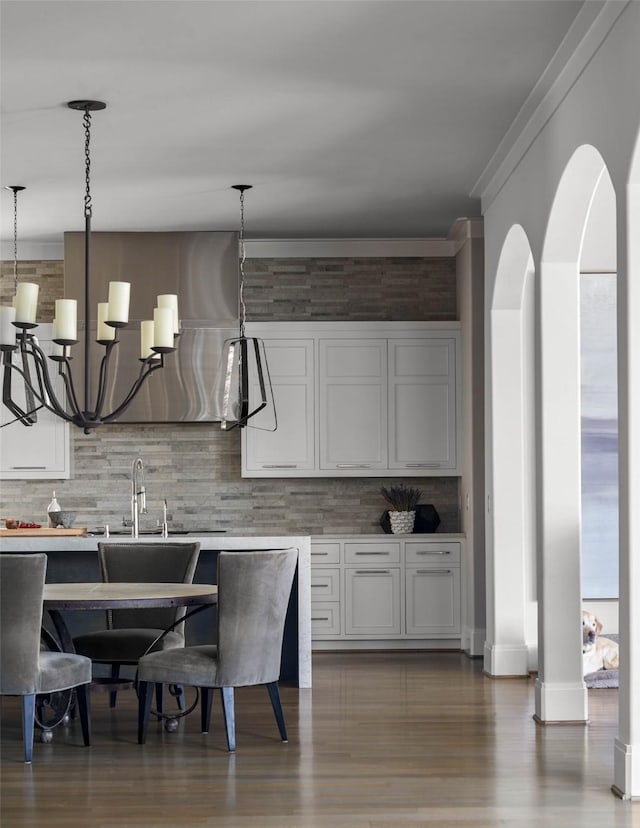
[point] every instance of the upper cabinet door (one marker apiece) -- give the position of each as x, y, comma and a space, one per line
290, 448
422, 404
353, 404
37, 452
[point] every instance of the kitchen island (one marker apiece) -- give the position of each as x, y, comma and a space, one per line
76, 559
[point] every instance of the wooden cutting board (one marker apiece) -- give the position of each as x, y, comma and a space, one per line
43, 533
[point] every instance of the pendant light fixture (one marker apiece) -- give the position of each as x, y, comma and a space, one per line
157, 336
27, 415
244, 382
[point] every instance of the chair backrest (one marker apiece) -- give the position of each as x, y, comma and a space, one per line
151, 563
21, 588
253, 596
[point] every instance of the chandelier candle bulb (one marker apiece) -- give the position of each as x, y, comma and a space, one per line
7, 328
146, 338
104, 332
163, 327
65, 323
119, 302
26, 302
170, 300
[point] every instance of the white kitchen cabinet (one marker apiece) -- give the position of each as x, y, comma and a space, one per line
353, 404
40, 451
422, 403
291, 447
432, 600
359, 399
372, 601
386, 591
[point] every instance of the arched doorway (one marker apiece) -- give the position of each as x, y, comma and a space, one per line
509, 463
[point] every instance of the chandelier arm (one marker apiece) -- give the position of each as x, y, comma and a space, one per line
102, 379
46, 393
150, 365
64, 371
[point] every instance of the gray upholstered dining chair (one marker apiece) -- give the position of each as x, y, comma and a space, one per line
25, 669
130, 633
253, 596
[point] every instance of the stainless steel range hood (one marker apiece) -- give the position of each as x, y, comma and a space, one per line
202, 268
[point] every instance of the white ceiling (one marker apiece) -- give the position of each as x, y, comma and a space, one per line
352, 119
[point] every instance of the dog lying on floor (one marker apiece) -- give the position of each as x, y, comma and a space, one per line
598, 652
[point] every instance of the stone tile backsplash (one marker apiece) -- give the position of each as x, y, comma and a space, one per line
196, 466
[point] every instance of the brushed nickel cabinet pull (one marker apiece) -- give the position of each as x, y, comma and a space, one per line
373, 553
434, 571
372, 572
353, 466
28, 468
433, 552
280, 466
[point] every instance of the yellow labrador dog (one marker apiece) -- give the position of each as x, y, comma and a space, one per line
598, 653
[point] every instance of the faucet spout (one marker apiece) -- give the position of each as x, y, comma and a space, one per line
138, 496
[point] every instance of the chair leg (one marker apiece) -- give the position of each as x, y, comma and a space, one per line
144, 709
83, 696
28, 725
206, 702
179, 693
115, 674
274, 695
228, 710
159, 699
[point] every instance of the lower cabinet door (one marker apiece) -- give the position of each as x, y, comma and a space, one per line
372, 601
433, 600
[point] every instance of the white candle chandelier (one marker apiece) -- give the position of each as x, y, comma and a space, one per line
25, 361
244, 382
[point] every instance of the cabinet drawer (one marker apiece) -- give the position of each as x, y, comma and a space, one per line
373, 601
420, 552
368, 552
325, 619
322, 553
325, 584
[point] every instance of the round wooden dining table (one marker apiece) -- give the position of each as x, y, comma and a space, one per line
91, 596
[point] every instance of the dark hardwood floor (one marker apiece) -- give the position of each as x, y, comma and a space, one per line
383, 740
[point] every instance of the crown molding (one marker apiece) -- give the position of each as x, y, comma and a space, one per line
591, 27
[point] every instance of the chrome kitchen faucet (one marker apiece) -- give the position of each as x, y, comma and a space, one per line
138, 496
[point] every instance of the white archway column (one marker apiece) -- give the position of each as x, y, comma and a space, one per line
627, 744
505, 651
561, 694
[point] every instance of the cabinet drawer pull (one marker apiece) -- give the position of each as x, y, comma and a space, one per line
24, 468
319, 586
353, 466
320, 618
373, 553
422, 465
433, 552
372, 571
279, 465
319, 553
434, 571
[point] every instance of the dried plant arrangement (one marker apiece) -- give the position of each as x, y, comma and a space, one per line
401, 498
